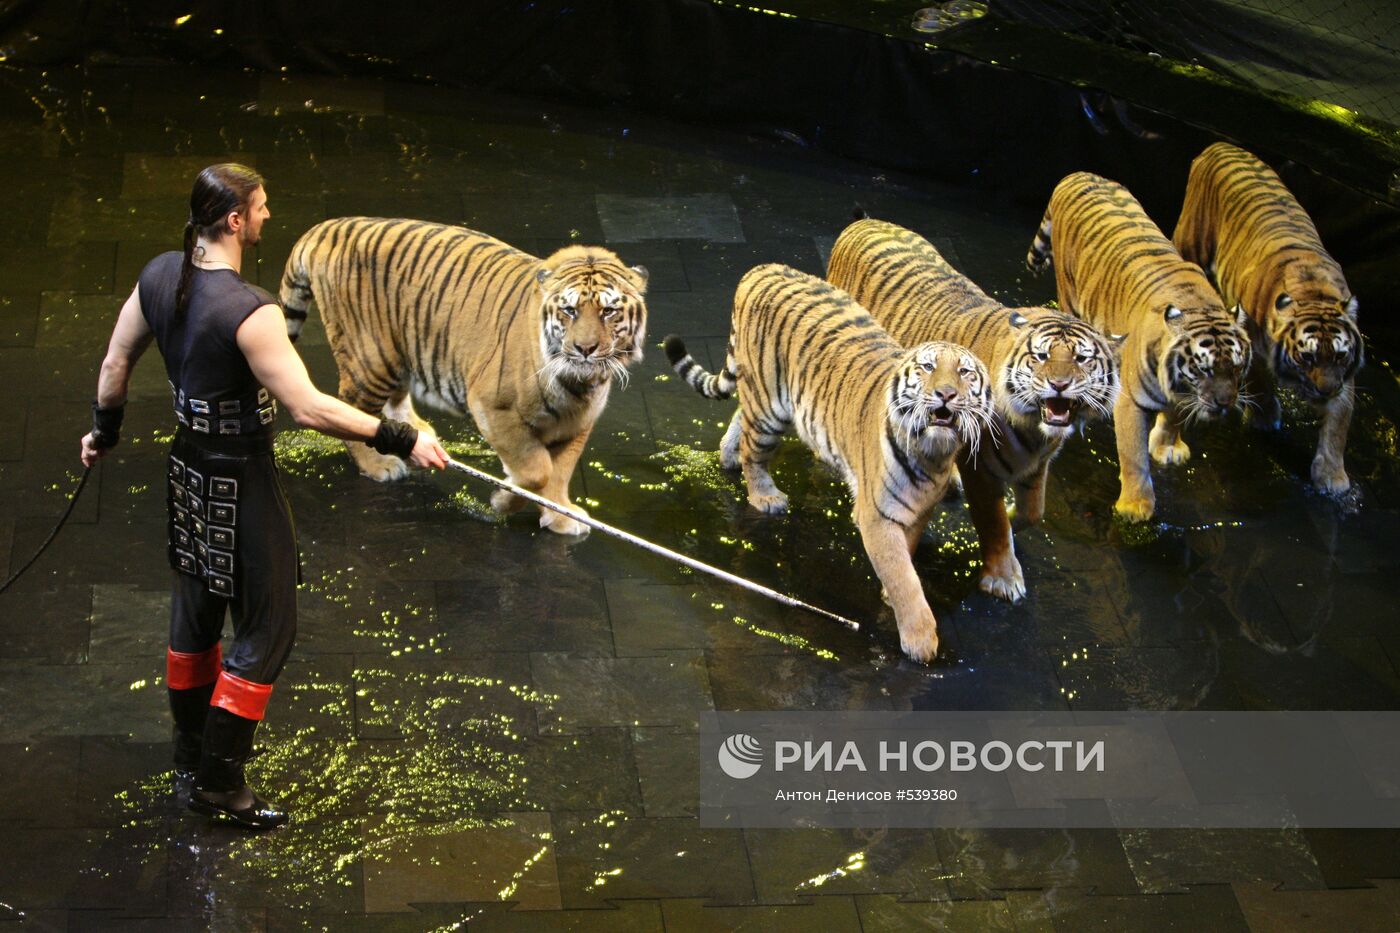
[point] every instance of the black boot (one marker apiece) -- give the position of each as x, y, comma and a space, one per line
219, 788
189, 709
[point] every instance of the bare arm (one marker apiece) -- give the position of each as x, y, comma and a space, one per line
263, 339
130, 338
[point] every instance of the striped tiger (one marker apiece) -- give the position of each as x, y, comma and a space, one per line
1261, 248
891, 421
463, 322
1185, 353
1050, 371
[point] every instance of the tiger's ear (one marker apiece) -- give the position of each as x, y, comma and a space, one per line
1241, 318
541, 275
641, 278
1351, 307
1018, 319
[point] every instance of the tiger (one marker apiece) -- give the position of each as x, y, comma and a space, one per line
1050, 373
470, 325
1184, 354
803, 354
1261, 249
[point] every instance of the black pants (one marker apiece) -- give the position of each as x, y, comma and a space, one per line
233, 549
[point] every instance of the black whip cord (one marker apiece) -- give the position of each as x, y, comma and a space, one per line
72, 501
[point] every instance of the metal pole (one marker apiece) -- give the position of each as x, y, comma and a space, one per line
690, 562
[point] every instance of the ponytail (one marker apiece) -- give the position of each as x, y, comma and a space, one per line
182, 291
218, 189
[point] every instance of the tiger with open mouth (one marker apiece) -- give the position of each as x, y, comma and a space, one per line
1050, 372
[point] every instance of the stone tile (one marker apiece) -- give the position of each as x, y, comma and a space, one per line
789, 864
722, 265
765, 682
44, 622
1347, 858
19, 320
67, 319
835, 914
1204, 908
665, 272
708, 217
617, 855
444, 207
980, 861
252, 920
568, 615
880, 912
30, 270
558, 220
1365, 910
485, 696
622, 916
511, 858
128, 623
108, 770
665, 690
692, 314
585, 771
75, 699
1185, 677
54, 868
666, 770
1166, 860
40, 781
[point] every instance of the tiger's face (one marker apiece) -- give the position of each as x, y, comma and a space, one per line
1058, 372
942, 397
1207, 355
593, 313
1316, 342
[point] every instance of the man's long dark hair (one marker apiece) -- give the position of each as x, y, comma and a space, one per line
219, 190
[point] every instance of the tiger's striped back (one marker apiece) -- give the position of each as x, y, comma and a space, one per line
1115, 269
890, 420
457, 319
1240, 222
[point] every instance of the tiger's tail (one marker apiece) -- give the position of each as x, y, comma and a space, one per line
1040, 257
719, 385
296, 288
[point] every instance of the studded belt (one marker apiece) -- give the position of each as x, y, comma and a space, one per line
223, 416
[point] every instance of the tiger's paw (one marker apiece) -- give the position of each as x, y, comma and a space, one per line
1330, 478
1167, 454
563, 525
506, 502
1004, 581
919, 642
955, 485
774, 503
1135, 508
382, 468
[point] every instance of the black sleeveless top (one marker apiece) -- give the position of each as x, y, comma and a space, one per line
213, 389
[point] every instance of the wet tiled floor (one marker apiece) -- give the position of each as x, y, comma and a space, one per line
487, 724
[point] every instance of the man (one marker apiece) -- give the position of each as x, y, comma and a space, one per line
232, 544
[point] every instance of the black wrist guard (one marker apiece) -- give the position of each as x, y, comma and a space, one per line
395, 437
106, 425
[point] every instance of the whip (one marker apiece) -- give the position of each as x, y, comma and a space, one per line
645, 545
72, 501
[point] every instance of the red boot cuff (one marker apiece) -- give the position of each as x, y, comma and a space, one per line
241, 697
186, 671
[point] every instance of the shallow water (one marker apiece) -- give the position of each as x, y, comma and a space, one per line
478, 712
